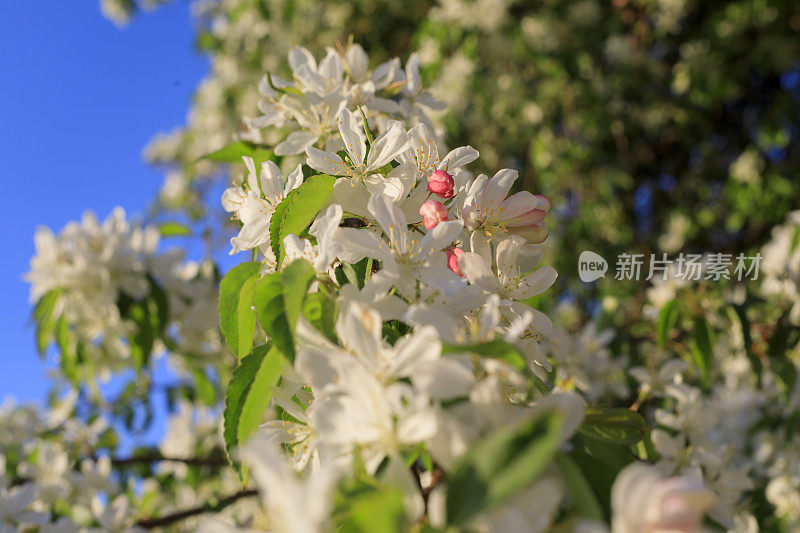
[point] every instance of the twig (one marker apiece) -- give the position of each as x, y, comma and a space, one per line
155, 458
151, 523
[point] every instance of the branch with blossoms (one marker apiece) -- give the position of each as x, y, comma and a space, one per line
383, 360
393, 369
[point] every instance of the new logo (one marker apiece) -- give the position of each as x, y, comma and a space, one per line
591, 266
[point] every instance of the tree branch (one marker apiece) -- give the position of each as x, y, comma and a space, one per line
152, 523
155, 458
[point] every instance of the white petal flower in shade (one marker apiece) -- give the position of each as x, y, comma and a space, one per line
383, 149
509, 282
255, 205
405, 257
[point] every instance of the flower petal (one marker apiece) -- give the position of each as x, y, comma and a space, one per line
326, 162
353, 136
296, 143
387, 146
535, 283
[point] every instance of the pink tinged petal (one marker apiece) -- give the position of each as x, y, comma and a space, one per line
532, 217
544, 203
518, 204
387, 146
296, 143
326, 162
458, 157
497, 188
534, 234
535, 283
353, 136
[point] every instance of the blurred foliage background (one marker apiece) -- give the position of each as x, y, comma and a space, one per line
653, 125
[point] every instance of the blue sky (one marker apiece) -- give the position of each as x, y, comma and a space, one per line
79, 100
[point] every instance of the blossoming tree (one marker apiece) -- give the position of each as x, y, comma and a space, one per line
380, 357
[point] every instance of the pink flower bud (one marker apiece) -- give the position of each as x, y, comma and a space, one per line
452, 260
432, 213
441, 183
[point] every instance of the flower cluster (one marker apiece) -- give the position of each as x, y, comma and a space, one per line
393, 369
99, 285
427, 346
60, 474
311, 103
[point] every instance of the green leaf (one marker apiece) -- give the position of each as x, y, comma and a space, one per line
68, 351
740, 313
141, 341
580, 490
173, 229
159, 306
249, 394
204, 388
246, 317
320, 311
667, 319
615, 425
363, 271
45, 321
298, 210
780, 342
229, 295
278, 300
377, 511
703, 349
233, 153
496, 349
500, 465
